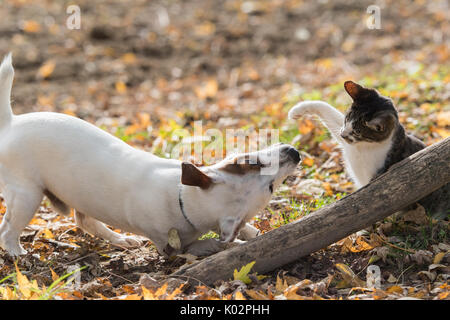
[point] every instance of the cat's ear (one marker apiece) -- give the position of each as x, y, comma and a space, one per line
357, 92
353, 89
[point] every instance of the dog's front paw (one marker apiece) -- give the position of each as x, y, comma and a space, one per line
128, 242
207, 247
15, 251
11, 245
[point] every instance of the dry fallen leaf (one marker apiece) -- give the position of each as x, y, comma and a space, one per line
443, 118
257, 295
207, 90
121, 87
350, 279
395, 289
31, 26
438, 257
129, 58
46, 70
239, 296
280, 285
308, 162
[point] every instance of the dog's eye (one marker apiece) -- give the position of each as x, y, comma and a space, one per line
271, 188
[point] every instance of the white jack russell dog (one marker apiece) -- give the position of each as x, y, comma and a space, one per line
77, 165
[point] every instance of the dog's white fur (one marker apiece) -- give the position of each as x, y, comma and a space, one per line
361, 159
77, 165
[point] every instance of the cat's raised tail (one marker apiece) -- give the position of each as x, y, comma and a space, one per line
6, 80
332, 118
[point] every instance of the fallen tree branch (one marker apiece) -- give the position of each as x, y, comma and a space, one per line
403, 184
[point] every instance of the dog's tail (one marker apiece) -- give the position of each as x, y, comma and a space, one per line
6, 80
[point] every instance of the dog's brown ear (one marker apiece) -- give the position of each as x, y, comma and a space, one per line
192, 176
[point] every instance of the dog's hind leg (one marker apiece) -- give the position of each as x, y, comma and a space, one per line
21, 205
57, 204
99, 229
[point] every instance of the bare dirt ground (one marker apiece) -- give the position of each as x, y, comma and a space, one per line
142, 69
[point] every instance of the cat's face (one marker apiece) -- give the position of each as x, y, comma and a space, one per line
371, 117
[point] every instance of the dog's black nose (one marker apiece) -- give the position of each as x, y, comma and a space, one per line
293, 154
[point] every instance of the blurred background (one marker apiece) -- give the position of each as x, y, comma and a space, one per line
144, 69
203, 59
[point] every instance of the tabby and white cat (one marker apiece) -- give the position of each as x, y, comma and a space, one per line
372, 139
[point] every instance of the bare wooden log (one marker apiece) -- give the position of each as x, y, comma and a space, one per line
403, 184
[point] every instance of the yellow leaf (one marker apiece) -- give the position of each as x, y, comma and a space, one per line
395, 289
239, 296
46, 100
305, 126
204, 29
31, 26
207, 90
144, 119
101, 296
443, 295
133, 297
70, 112
162, 290
131, 129
443, 118
281, 285
38, 221
273, 109
47, 234
243, 273
129, 58
54, 275
444, 133
23, 283
121, 87
175, 292
325, 63
147, 294
211, 88
292, 295
257, 295
437, 258
327, 188
46, 69
291, 292
360, 245
350, 278
308, 162
7, 294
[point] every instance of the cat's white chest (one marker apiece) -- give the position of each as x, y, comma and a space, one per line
362, 160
